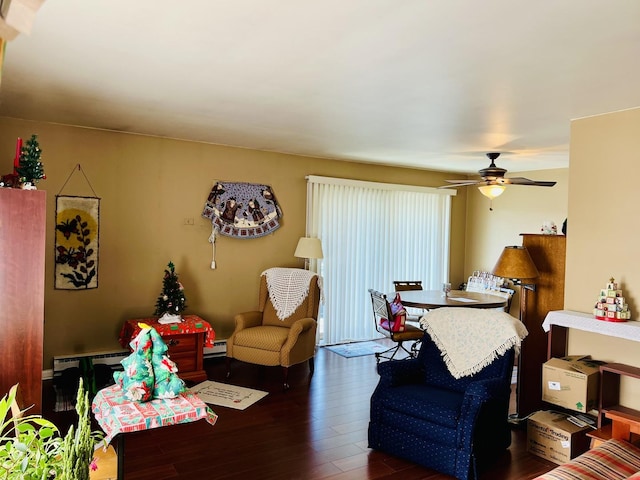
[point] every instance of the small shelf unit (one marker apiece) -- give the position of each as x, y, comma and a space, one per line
610, 375
556, 324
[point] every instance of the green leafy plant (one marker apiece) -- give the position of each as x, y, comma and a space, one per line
31, 447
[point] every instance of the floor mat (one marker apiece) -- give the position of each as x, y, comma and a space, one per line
357, 349
226, 395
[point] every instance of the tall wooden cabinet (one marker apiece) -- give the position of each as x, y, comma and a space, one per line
22, 249
548, 253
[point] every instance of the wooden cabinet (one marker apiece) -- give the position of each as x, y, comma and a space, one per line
186, 351
22, 246
548, 254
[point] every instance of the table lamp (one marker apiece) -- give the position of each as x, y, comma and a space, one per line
308, 248
515, 263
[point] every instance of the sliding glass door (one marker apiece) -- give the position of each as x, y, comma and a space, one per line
372, 234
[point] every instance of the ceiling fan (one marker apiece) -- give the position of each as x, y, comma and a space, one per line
493, 180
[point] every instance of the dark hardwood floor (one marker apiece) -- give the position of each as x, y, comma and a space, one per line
317, 429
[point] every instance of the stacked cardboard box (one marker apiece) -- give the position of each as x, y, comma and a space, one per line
552, 436
572, 382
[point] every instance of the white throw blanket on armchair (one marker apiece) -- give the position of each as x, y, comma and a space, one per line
288, 288
471, 338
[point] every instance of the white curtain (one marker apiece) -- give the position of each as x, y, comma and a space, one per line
372, 234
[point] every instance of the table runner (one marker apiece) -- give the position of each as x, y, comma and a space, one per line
191, 324
587, 323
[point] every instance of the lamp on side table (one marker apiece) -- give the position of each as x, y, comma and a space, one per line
516, 264
309, 249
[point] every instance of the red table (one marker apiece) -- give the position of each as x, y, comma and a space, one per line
186, 341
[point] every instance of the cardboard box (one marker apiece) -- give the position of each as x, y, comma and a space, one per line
551, 436
572, 382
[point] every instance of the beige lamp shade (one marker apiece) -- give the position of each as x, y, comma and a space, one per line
308, 248
492, 191
515, 262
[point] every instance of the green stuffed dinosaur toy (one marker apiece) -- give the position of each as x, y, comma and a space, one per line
148, 372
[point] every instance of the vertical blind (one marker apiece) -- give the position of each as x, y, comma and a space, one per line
372, 234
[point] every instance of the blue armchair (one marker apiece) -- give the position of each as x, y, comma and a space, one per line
422, 413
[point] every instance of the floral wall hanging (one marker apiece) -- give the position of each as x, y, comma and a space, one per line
76, 242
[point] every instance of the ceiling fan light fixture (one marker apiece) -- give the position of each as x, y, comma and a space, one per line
492, 191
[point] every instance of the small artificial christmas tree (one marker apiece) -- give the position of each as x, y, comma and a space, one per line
171, 302
30, 168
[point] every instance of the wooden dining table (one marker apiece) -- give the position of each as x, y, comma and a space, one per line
429, 299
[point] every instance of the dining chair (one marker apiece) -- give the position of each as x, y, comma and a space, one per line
499, 292
404, 285
484, 282
413, 314
393, 325
506, 293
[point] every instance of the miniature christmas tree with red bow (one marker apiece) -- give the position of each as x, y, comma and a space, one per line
30, 168
171, 302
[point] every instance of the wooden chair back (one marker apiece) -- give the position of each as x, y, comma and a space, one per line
404, 285
485, 282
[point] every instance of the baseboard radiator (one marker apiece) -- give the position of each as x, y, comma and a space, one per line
114, 357
62, 362
219, 349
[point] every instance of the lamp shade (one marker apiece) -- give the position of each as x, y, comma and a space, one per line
308, 248
515, 262
492, 191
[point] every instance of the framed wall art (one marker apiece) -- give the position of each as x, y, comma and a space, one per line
76, 242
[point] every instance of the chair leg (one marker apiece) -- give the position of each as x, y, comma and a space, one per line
285, 375
312, 366
408, 352
415, 348
412, 353
228, 364
393, 349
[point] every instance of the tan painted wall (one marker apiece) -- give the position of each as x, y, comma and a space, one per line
603, 240
148, 186
520, 209
599, 195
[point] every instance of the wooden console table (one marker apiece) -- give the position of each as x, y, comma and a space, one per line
558, 322
186, 341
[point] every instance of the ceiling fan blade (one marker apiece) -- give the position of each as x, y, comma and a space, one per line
542, 183
526, 181
466, 184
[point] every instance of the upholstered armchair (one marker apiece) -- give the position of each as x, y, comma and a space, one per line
283, 329
423, 413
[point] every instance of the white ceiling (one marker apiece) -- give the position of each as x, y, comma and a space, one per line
425, 83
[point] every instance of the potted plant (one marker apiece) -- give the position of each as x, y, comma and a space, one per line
31, 447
